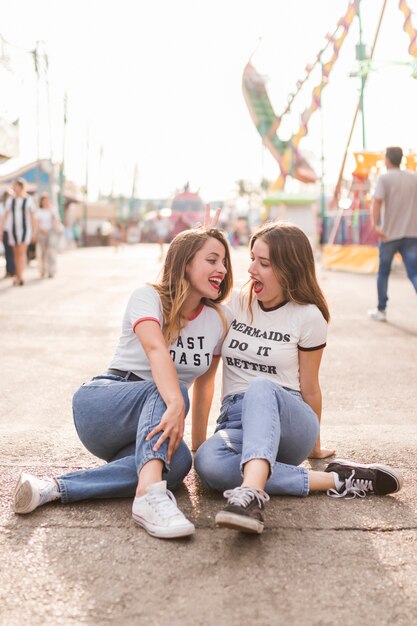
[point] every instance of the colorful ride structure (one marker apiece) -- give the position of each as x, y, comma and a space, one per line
345, 222
187, 208
349, 242
287, 153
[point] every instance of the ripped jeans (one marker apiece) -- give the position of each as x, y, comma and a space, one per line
267, 422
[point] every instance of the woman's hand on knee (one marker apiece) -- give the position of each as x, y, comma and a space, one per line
172, 427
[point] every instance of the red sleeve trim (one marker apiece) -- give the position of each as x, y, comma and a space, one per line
312, 349
145, 319
217, 356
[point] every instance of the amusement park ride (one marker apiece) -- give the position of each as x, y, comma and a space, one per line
337, 224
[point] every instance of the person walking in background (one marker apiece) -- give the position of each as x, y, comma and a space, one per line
180, 225
20, 223
161, 231
133, 416
271, 408
76, 233
394, 220
116, 236
8, 249
49, 227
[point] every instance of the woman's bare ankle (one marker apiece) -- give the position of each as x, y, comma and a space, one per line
150, 474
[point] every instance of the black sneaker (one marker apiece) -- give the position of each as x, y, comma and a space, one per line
244, 510
359, 480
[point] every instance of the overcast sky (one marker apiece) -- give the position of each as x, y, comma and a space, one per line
158, 84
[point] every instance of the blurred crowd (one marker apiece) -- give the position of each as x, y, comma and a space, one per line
29, 229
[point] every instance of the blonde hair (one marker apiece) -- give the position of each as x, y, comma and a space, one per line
21, 182
173, 286
292, 261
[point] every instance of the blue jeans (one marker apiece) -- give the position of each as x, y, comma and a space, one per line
113, 417
407, 247
267, 422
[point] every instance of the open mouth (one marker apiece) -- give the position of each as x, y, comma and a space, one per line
257, 287
215, 282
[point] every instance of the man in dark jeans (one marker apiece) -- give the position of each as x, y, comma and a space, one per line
394, 220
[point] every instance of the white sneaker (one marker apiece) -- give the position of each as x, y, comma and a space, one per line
158, 514
31, 492
377, 315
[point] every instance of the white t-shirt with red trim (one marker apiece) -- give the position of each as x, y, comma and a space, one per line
192, 352
267, 345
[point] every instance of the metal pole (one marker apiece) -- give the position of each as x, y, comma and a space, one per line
361, 55
35, 53
133, 191
85, 215
339, 180
62, 166
48, 102
322, 194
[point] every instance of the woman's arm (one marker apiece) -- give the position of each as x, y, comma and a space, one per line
34, 223
3, 221
203, 390
165, 378
375, 214
311, 392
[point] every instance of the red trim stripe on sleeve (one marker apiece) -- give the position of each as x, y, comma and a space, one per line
145, 319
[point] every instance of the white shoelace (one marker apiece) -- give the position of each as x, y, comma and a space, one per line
243, 496
164, 504
354, 487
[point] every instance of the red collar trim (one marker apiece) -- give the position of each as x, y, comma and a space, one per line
197, 313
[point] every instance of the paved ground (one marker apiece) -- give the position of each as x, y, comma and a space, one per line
320, 561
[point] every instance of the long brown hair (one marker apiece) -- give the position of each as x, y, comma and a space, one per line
173, 286
292, 261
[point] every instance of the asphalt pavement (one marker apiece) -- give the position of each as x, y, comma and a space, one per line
319, 562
